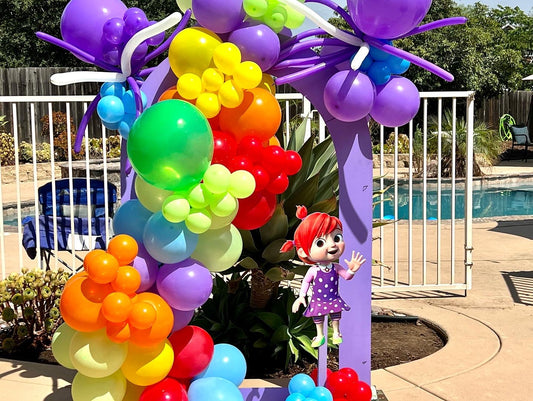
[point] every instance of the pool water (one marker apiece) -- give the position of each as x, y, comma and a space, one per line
489, 200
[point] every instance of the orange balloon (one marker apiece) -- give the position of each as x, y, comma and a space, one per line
142, 315
128, 280
162, 325
92, 255
118, 332
258, 115
102, 268
274, 141
124, 248
78, 311
95, 292
116, 307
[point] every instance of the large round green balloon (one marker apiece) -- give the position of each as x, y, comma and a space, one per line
171, 145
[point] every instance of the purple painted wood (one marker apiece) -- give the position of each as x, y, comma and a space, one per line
354, 154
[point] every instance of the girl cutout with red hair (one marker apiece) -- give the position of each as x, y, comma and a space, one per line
318, 241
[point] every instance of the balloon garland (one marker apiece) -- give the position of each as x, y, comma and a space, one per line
207, 164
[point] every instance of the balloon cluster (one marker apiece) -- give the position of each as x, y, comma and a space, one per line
117, 107
344, 384
303, 388
273, 13
379, 66
221, 77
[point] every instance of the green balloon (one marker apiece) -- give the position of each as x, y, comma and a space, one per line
294, 18
224, 206
175, 208
170, 145
219, 222
197, 197
109, 388
255, 8
151, 197
217, 179
198, 221
220, 249
61, 345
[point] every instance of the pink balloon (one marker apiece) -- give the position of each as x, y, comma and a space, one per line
396, 102
349, 95
387, 19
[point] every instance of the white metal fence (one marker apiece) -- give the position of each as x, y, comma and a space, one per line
414, 253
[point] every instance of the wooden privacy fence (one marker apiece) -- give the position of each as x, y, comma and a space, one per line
517, 104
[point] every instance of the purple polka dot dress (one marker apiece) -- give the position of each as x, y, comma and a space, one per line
325, 298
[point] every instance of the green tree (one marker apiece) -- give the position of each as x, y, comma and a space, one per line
19, 47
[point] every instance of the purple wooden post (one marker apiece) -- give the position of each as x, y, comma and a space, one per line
354, 155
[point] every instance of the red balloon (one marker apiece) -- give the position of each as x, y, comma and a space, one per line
225, 147
293, 162
350, 374
193, 350
261, 176
168, 389
251, 147
279, 184
255, 210
359, 391
314, 374
274, 159
240, 163
339, 385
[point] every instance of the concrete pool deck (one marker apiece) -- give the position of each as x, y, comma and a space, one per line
488, 355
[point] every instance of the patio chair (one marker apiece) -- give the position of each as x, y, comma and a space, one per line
520, 135
79, 221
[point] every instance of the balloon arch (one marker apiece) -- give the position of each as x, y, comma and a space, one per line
200, 163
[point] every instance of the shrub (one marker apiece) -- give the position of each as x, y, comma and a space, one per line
60, 132
112, 147
29, 305
7, 149
42, 152
388, 146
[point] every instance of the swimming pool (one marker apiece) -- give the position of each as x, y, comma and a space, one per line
488, 200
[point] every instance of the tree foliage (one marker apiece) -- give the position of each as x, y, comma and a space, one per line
19, 47
480, 54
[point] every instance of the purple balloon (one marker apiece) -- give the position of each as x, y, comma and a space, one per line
147, 267
134, 20
349, 95
82, 23
219, 16
185, 285
396, 102
257, 43
113, 30
387, 19
181, 318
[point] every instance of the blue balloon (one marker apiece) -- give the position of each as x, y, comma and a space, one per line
227, 362
378, 54
129, 101
301, 383
112, 89
379, 72
131, 218
320, 393
213, 389
398, 65
168, 242
366, 64
113, 126
110, 109
295, 397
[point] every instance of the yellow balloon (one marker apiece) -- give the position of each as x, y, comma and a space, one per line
148, 365
175, 208
230, 94
217, 178
94, 355
109, 388
247, 75
61, 345
227, 57
241, 184
268, 83
184, 5
197, 198
219, 249
212, 79
151, 197
208, 104
223, 204
219, 222
189, 86
198, 221
192, 51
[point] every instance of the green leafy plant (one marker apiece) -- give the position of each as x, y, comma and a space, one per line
388, 146
112, 147
7, 149
42, 152
29, 306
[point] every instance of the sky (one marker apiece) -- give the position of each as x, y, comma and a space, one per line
525, 5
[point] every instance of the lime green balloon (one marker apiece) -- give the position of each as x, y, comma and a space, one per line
151, 197
61, 345
223, 206
216, 179
241, 184
275, 17
175, 208
255, 8
184, 5
109, 388
170, 145
294, 18
198, 221
219, 222
94, 355
220, 249
197, 198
